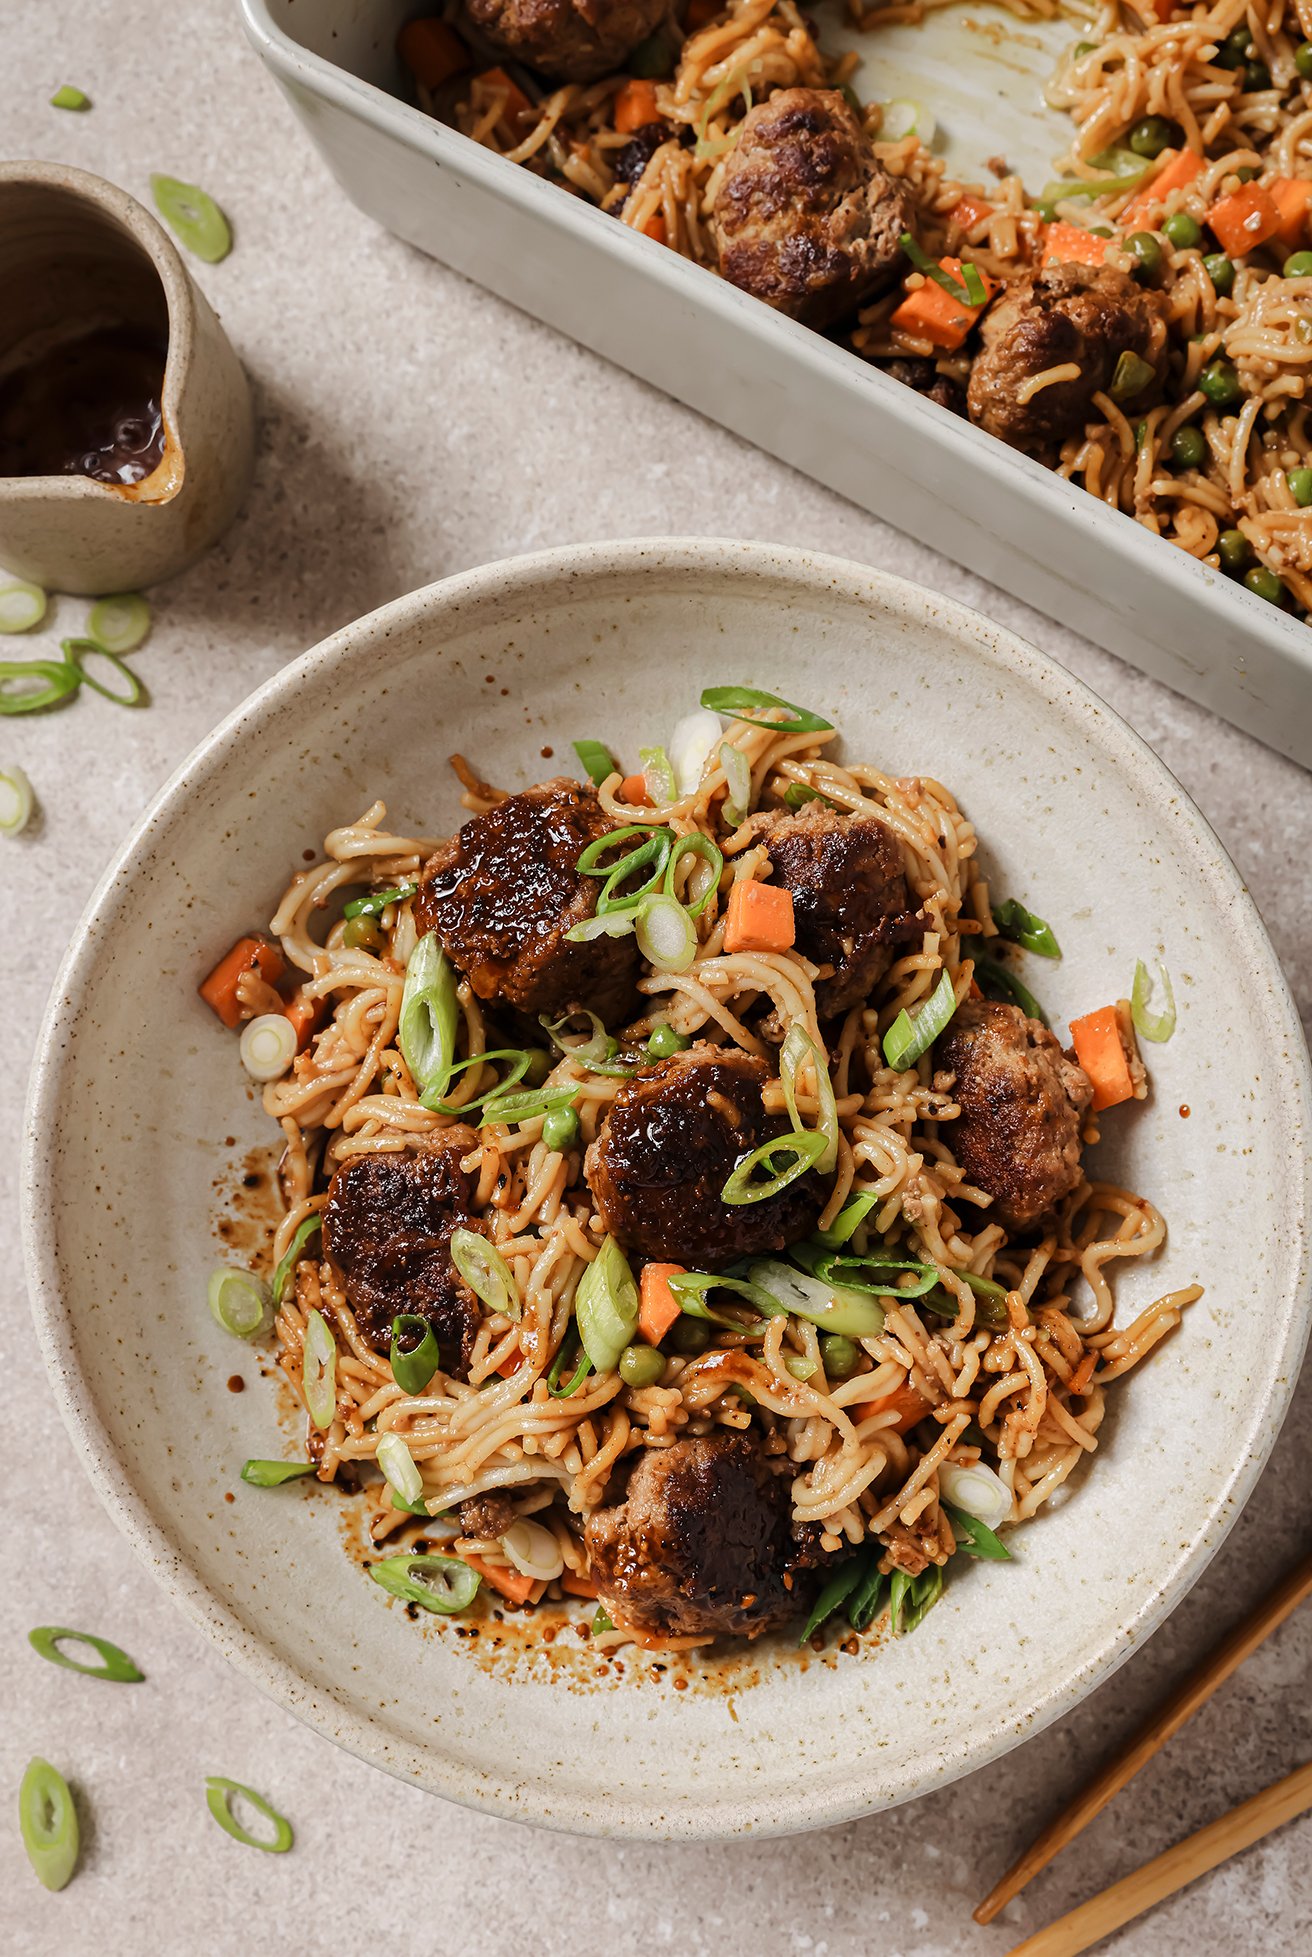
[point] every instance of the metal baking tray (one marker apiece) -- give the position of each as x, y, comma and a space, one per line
812, 403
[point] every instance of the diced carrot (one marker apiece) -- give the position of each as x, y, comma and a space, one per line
1292, 197
1100, 1050
433, 52
907, 1401
635, 106
1069, 244
701, 13
968, 210
578, 1586
516, 1588
305, 1015
1161, 9
655, 227
759, 918
633, 788
1179, 168
219, 990
510, 1363
932, 314
1244, 220
658, 1308
516, 103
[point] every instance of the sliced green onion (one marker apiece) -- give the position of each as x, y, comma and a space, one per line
992, 1306
1131, 377
695, 845
414, 1508
665, 934
596, 760
853, 1213
902, 117
691, 747
999, 982
16, 800
979, 1539
1023, 928
875, 1273
689, 1292
738, 781
834, 1595
398, 1467
798, 1048
863, 1604
803, 1151
745, 702
972, 290
608, 924
614, 897
426, 1033
48, 1820
443, 1584
520, 1058
485, 1271
22, 605
595, 1045
115, 1664
378, 900
304, 1231
267, 1046
976, 290
77, 651
567, 1392
799, 793
506, 1109
799, 1366
601, 1621
1154, 1026
32, 685
413, 1365
240, 1303
911, 1598
978, 1489
1070, 187
658, 775
194, 218
119, 624
319, 1371
606, 1306
218, 1798
908, 1038
69, 97
590, 863
833, 1307
272, 1474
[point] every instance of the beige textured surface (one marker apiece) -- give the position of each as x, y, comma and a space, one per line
412, 426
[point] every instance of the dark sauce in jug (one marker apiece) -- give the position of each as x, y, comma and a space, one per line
87, 407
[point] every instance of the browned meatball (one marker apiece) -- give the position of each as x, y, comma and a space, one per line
1022, 1102
488, 1516
923, 377
1082, 314
850, 899
504, 891
569, 40
387, 1229
806, 218
672, 1139
699, 1545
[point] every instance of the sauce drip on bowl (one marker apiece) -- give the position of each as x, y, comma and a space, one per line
90, 406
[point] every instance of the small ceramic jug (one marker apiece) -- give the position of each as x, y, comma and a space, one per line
79, 257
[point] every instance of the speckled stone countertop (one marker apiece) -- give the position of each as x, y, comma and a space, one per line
410, 426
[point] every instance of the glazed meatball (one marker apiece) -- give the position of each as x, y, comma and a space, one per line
672, 1139
850, 900
923, 377
1022, 1102
806, 218
387, 1229
567, 40
699, 1545
1082, 314
504, 891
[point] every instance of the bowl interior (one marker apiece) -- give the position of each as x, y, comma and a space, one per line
140, 1109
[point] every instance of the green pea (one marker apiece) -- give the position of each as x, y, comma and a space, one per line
1101, 231
652, 60
1246, 172
1303, 60
1220, 383
841, 1356
1183, 231
1257, 77
539, 1066
362, 934
1151, 136
1300, 487
1235, 551
1045, 210
1143, 246
1233, 51
690, 1336
1082, 48
1220, 270
641, 1365
1188, 448
1264, 584
1299, 266
663, 1042
561, 1128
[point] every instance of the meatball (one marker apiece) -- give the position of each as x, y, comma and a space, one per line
630, 162
806, 218
1081, 314
567, 40
850, 900
488, 1517
923, 377
699, 1545
1022, 1102
387, 1229
504, 891
672, 1139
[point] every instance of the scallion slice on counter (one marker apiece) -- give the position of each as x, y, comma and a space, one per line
305, 1229
119, 624
272, 1474
1022, 927
797, 1049
658, 774
218, 1798
596, 760
193, 217
114, 1665
665, 934
426, 1032
606, 1306
76, 653
16, 800
319, 1371
443, 1584
485, 1271
48, 1821
1154, 1026
240, 1303
22, 605
801, 1152
399, 1469
747, 702
909, 1037
378, 900
833, 1596
32, 685
997, 981
70, 97
414, 1355
695, 845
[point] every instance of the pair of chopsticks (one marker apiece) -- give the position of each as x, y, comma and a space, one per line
1190, 1858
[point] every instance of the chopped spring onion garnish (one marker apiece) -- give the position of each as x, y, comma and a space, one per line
115, 1664
76, 653
730, 85
691, 745
304, 1231
978, 1491
533, 1550
319, 1371
485, 1271
1131, 377
594, 1051
907, 1038
876, 1273
834, 1594
69, 97
802, 1152
241, 1304
218, 1798
738, 781
590, 862
506, 1109
48, 1820
601, 1621
194, 218
609, 924
863, 1604
1063, 187
689, 1292
377, 901
15, 801
999, 982
975, 1538
1023, 928
571, 1387
971, 291
799, 1049
413, 1364
606, 1306
799, 793
596, 761
844, 1226
799, 1366
665, 934
614, 894
119, 624
1155, 1026
399, 1470
990, 1310
658, 775
439, 1583
833, 1307
426, 1032
906, 118
521, 1059
267, 1046
747, 702
32, 685
22, 605
272, 1474
707, 881
911, 1603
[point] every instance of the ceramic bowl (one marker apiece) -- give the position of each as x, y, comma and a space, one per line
137, 1093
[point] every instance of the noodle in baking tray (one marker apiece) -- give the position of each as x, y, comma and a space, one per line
923, 1364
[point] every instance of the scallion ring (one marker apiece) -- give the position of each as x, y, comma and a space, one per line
978, 1490
22, 605
426, 1032
399, 1469
738, 782
76, 653
119, 624
414, 1355
1154, 1026
520, 1058
658, 775
305, 1229
507, 1109
572, 1385
1021, 927
991, 1308
32, 685
114, 1665
853, 1213
972, 290
689, 1290
879, 1273
267, 1046
443, 1584
800, 1366
695, 844
533, 1550
241, 1303
319, 1371
798, 1048
596, 761
833, 1307
606, 1306
218, 1798
48, 1821
378, 900
609, 924
908, 1038
747, 702
665, 934
834, 1594
16, 800
799, 793
194, 217
272, 1474
803, 1150
614, 895
486, 1272
998, 982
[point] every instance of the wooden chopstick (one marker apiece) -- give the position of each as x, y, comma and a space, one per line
1174, 1870
1195, 1692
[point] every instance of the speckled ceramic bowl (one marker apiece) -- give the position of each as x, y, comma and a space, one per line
136, 1094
